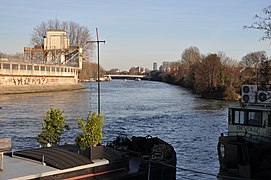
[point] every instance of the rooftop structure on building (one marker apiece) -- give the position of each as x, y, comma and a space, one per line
56, 49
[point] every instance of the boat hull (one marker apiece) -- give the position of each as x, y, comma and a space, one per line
240, 157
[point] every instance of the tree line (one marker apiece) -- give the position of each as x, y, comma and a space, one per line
215, 75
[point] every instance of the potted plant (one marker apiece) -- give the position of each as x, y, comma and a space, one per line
52, 128
91, 136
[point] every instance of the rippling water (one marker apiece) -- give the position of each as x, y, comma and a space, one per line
192, 125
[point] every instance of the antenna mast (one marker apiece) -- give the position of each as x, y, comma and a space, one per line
98, 56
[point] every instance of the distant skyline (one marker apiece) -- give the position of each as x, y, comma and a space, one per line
138, 33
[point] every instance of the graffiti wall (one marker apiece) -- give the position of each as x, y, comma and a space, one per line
30, 80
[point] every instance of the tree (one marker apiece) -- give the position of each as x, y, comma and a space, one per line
77, 34
262, 23
190, 57
250, 63
53, 127
253, 59
208, 73
264, 71
17, 56
90, 70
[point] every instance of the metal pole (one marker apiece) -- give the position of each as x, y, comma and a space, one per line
149, 168
98, 57
99, 93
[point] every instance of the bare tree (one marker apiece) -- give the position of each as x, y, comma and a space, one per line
190, 58
90, 70
191, 55
262, 23
78, 35
208, 74
251, 60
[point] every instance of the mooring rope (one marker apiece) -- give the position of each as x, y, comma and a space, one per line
199, 172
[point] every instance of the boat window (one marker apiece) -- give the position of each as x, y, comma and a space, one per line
239, 117
255, 118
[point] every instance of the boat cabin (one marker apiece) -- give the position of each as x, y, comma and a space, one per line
253, 122
253, 118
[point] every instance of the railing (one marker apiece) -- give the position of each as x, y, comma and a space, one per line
125, 76
5, 145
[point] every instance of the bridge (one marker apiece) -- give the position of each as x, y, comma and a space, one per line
122, 76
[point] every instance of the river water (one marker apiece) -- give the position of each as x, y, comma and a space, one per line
190, 124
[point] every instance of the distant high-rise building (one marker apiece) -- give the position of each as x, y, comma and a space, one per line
154, 66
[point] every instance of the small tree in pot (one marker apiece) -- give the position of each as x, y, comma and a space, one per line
91, 135
52, 128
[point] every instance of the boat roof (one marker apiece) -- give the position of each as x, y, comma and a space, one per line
253, 107
56, 157
16, 167
43, 162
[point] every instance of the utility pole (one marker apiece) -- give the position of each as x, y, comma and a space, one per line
98, 56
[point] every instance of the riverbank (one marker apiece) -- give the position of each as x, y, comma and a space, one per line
228, 93
20, 89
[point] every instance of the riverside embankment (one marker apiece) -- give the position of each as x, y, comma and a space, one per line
20, 89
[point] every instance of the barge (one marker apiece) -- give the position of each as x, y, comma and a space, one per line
124, 158
244, 151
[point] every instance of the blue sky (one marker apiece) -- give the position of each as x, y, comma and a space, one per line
140, 32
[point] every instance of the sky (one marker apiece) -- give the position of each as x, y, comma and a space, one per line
141, 32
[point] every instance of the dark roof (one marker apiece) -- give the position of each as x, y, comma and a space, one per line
56, 157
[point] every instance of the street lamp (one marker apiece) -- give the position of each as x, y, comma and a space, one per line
98, 52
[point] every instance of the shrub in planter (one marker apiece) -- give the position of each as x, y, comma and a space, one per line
52, 128
91, 133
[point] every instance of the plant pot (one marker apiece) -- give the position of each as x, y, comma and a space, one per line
93, 152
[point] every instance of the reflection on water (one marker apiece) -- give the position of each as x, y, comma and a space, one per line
192, 125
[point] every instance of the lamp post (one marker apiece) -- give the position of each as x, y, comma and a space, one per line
98, 57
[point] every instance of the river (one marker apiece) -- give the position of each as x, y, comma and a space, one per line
190, 124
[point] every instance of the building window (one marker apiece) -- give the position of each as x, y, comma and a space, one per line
42, 68
6, 66
36, 68
15, 66
29, 67
22, 67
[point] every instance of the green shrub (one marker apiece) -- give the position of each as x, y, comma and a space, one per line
92, 131
52, 128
